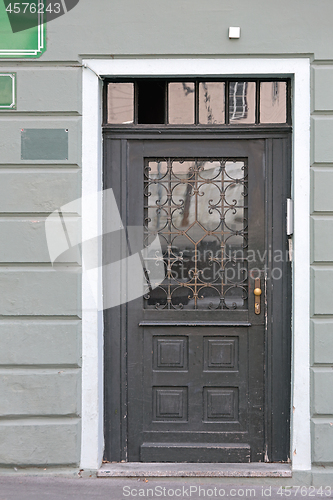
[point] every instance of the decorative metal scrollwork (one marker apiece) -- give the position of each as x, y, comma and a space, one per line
198, 208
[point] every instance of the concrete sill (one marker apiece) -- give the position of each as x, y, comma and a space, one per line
139, 469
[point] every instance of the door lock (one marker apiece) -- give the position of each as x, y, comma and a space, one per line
257, 292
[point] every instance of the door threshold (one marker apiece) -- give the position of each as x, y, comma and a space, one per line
140, 469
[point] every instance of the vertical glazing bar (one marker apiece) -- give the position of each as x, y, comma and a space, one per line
257, 102
166, 103
226, 89
136, 103
105, 102
196, 102
288, 103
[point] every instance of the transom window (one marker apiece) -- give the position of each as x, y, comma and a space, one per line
197, 102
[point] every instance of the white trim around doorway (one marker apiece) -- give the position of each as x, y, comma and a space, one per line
92, 441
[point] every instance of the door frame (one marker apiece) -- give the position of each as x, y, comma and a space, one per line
275, 144
92, 440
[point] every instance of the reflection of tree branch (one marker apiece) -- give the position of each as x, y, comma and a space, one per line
207, 104
187, 202
275, 92
187, 89
189, 189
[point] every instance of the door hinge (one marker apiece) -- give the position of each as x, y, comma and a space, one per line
290, 217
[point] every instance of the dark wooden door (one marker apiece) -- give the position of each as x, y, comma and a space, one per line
190, 355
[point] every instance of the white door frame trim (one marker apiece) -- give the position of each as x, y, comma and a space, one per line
92, 440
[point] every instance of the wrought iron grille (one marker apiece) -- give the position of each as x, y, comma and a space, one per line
198, 208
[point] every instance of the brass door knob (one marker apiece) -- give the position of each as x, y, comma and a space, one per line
257, 292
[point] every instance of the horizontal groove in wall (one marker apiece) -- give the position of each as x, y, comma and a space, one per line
37, 367
32, 168
322, 316
41, 420
29, 215
40, 65
328, 112
26, 165
51, 114
320, 263
40, 267
322, 267
46, 371
326, 366
39, 318
325, 419
318, 116
10, 418
61, 266
324, 167
47, 320
322, 214
54, 469
59, 119
323, 320
320, 368
319, 64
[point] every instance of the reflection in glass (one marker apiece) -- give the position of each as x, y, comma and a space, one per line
242, 102
273, 102
211, 103
197, 207
120, 103
181, 103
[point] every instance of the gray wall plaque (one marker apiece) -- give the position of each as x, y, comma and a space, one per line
44, 144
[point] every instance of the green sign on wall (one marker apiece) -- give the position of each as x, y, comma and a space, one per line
27, 43
7, 90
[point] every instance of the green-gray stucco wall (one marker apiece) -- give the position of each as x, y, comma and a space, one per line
40, 313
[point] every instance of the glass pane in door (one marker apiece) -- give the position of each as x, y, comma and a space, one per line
198, 209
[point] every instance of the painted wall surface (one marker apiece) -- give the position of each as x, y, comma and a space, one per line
40, 379
40, 308
322, 269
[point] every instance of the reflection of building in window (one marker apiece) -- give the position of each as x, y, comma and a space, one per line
238, 100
